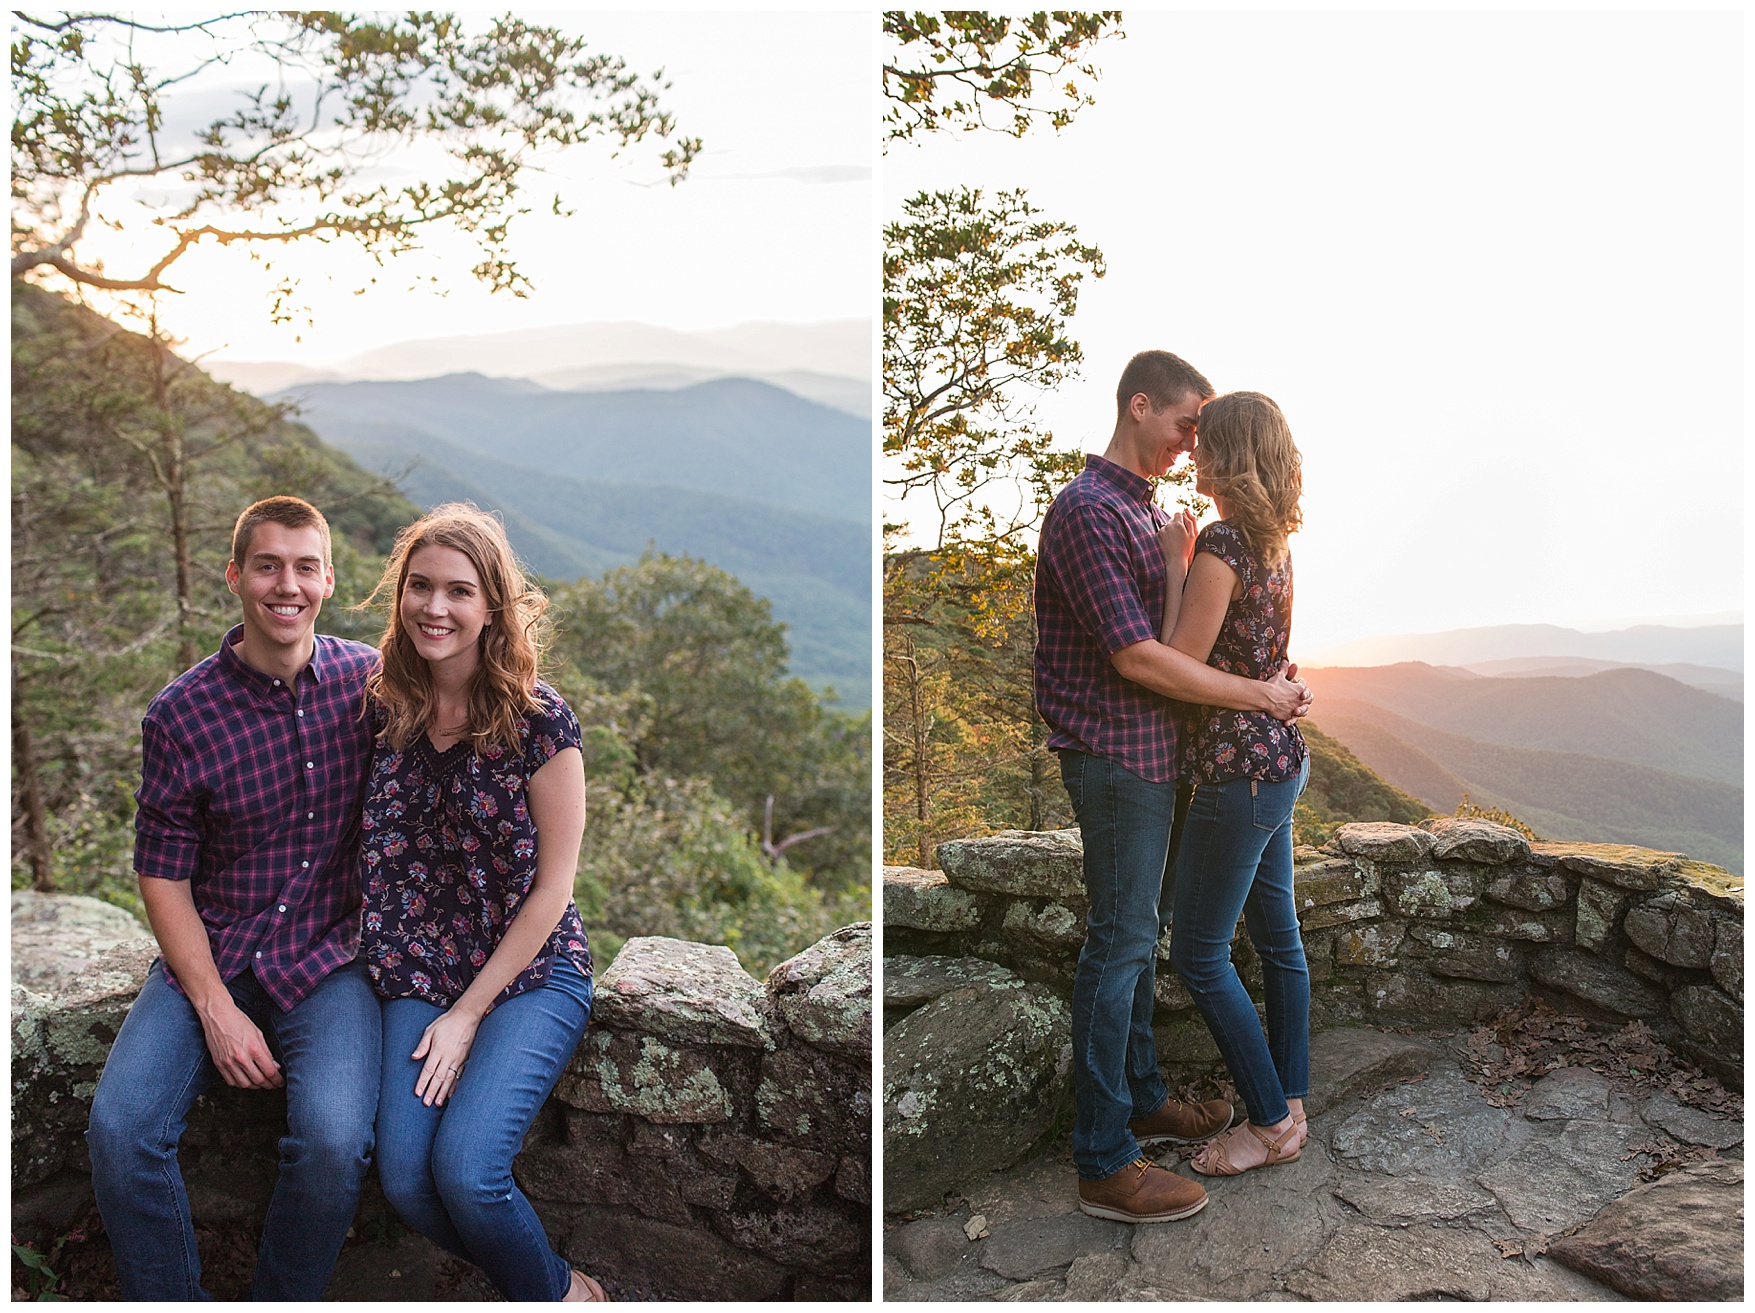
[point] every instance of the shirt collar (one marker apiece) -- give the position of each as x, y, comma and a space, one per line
243, 671
1134, 485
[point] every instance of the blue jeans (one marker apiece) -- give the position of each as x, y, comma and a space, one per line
1237, 858
1125, 822
447, 1170
328, 1049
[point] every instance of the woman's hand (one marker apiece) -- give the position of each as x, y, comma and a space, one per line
1176, 540
445, 1044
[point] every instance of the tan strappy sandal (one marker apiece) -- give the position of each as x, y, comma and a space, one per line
1220, 1160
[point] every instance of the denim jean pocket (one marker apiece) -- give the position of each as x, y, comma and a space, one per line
1272, 803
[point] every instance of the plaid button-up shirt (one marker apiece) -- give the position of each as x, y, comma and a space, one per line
250, 788
1100, 583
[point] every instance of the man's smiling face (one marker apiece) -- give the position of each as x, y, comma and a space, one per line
282, 583
1170, 432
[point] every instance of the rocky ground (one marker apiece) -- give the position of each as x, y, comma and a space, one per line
1462, 1166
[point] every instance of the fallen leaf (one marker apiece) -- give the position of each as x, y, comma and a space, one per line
976, 1227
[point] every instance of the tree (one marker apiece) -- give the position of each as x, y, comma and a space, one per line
706, 662
102, 615
977, 299
949, 70
301, 157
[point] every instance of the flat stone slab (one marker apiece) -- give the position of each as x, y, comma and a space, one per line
1384, 841
925, 900
682, 991
1571, 1092
911, 981
1025, 863
1371, 1264
1678, 1238
1471, 840
1346, 1061
1559, 1179
1028, 1247
57, 937
929, 1249
1254, 1227
1440, 1127
1690, 1125
1405, 1200
1619, 864
1043, 1186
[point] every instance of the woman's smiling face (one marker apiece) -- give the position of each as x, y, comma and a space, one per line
443, 608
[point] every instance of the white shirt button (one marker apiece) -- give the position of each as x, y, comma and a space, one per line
258, 952
310, 765
304, 863
301, 713
277, 685
310, 816
283, 907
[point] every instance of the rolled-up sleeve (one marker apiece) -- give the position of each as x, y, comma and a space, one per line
167, 826
1095, 571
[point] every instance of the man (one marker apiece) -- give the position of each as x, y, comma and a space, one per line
252, 766
1102, 683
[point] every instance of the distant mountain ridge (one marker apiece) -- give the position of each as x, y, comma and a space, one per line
828, 362
1717, 645
732, 436
1624, 755
747, 476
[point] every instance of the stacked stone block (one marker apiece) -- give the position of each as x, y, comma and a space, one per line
1441, 924
709, 1140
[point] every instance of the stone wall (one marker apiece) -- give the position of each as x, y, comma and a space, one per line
1438, 925
709, 1140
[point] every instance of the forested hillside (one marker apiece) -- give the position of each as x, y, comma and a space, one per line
129, 466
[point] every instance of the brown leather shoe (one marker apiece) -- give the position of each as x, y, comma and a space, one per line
1182, 1123
1142, 1192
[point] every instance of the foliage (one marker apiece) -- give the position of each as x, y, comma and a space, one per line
33, 1271
964, 751
303, 155
671, 857
1497, 815
104, 609
996, 61
977, 298
1342, 789
706, 663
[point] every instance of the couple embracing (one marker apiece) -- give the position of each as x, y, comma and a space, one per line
1185, 811
358, 865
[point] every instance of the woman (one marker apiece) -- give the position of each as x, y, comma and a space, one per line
1235, 614
474, 812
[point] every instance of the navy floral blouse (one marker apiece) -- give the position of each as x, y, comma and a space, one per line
448, 852
1229, 745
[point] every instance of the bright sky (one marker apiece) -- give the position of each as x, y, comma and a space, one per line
1490, 265
774, 222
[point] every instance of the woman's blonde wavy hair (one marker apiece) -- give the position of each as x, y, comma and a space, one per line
1245, 453
502, 691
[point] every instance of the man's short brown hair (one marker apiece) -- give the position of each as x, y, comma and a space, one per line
1164, 378
289, 512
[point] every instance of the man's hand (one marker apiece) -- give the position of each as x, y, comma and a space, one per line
237, 1047
1176, 540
